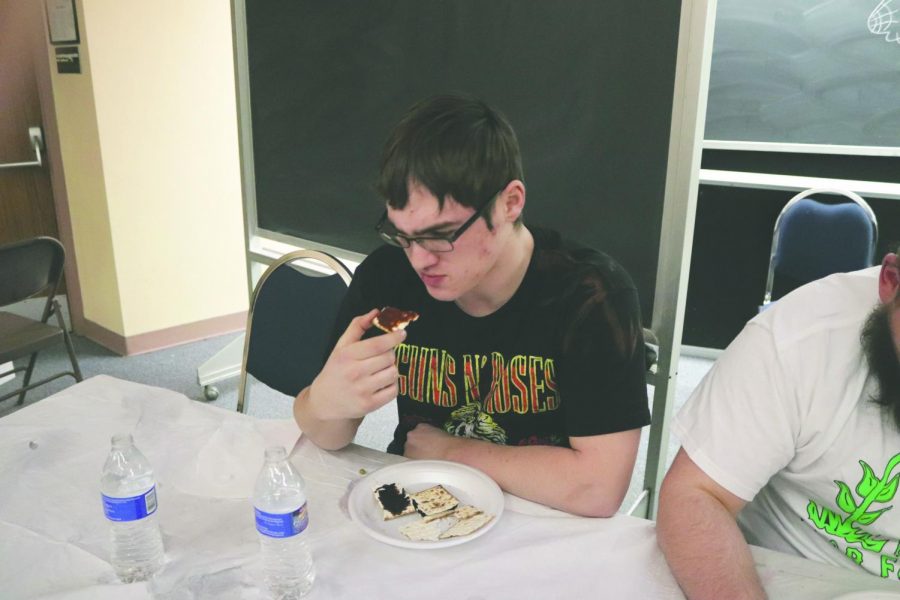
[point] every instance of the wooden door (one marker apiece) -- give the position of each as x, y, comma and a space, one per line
26, 196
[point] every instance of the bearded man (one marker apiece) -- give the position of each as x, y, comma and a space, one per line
793, 440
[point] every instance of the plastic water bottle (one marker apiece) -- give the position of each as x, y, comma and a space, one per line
279, 503
129, 503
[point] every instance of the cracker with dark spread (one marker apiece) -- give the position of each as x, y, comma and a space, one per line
394, 501
393, 319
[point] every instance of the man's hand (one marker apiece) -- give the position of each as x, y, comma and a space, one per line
427, 441
359, 377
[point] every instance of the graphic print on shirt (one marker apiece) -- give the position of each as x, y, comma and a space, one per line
520, 384
873, 493
472, 422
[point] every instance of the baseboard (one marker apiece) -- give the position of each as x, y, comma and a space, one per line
700, 352
163, 338
103, 336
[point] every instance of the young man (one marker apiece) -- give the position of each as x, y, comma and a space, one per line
793, 438
527, 360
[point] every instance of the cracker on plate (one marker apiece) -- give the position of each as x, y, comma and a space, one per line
467, 526
463, 511
434, 500
394, 501
421, 531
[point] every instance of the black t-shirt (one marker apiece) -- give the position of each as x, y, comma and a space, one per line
563, 357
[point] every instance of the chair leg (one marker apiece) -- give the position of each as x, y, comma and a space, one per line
242, 391
28, 372
68, 340
72, 358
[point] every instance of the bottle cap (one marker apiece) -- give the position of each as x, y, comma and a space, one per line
122, 440
275, 454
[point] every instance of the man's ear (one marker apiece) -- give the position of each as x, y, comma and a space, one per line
512, 200
889, 278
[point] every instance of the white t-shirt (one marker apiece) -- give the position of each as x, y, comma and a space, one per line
784, 420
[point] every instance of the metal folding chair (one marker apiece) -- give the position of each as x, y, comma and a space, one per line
29, 268
813, 239
292, 312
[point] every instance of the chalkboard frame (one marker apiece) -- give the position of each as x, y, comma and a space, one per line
741, 146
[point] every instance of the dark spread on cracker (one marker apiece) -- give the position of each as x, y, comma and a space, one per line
393, 499
393, 319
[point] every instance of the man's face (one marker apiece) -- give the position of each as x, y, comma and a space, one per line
889, 294
881, 338
449, 276
893, 320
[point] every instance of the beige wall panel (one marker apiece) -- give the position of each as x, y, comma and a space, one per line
84, 176
166, 119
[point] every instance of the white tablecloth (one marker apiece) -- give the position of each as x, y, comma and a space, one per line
54, 539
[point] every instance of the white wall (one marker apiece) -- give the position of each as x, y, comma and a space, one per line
148, 133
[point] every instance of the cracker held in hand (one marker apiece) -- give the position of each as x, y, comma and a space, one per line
394, 501
434, 500
393, 319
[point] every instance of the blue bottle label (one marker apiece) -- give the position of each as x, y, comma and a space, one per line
130, 509
281, 525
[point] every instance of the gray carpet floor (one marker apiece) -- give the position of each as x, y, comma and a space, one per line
176, 369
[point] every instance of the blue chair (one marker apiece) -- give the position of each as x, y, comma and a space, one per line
813, 239
292, 311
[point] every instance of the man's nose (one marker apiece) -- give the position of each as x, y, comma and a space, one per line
419, 257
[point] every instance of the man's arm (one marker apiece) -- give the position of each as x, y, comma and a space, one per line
359, 377
698, 534
589, 479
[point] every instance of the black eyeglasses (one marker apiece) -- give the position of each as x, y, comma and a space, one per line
430, 243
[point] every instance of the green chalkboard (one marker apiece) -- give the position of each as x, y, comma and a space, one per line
806, 71
588, 86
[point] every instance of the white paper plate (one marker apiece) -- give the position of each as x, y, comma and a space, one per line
469, 485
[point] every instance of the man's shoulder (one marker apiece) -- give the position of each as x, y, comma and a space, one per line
566, 260
593, 299
821, 313
835, 298
838, 288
